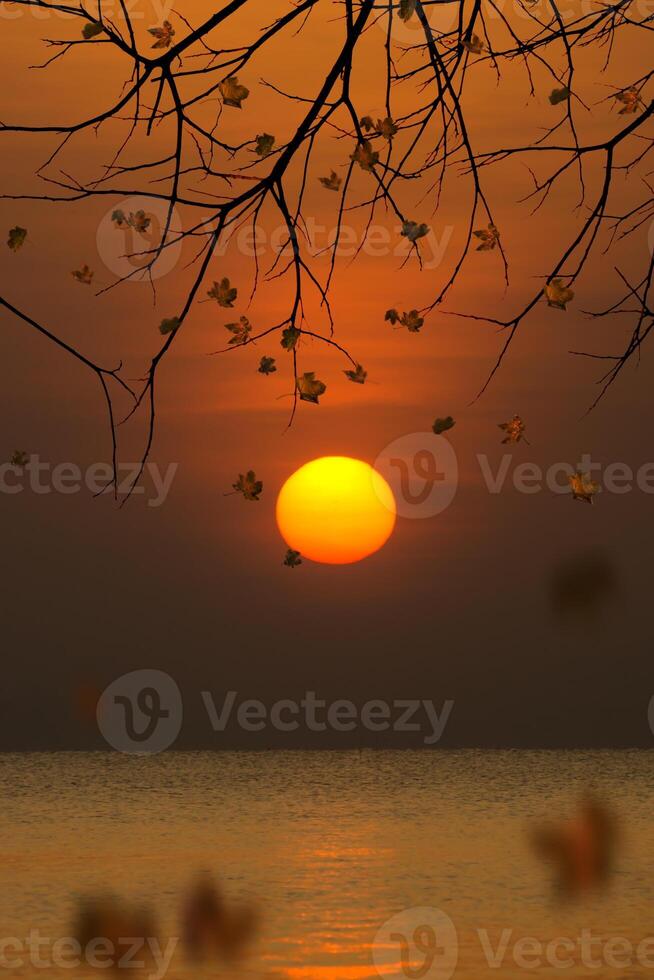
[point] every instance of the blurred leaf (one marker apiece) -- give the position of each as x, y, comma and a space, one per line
407, 9
358, 376
164, 35
223, 292
630, 99
558, 95
265, 143
267, 365
310, 388
233, 93
442, 425
489, 238
475, 45
558, 295
365, 156
292, 558
83, 275
248, 485
92, 30
167, 326
413, 231
366, 123
139, 221
19, 458
17, 238
582, 487
290, 337
515, 429
332, 183
241, 330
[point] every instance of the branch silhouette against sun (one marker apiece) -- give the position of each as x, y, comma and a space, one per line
177, 78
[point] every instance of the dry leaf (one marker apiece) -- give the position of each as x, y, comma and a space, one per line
16, 238
332, 183
413, 231
267, 365
223, 292
164, 35
292, 558
515, 429
365, 156
265, 143
167, 326
489, 238
92, 30
248, 485
582, 487
442, 425
233, 93
558, 295
411, 320
358, 376
310, 388
241, 330
83, 275
475, 45
559, 95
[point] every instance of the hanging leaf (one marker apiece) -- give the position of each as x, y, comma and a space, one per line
443, 425
558, 295
233, 93
168, 326
267, 365
310, 388
292, 558
223, 293
92, 30
411, 320
475, 45
489, 238
413, 231
358, 376
332, 183
265, 143
17, 238
515, 429
630, 99
387, 128
366, 123
19, 458
248, 485
140, 222
83, 275
365, 156
582, 487
241, 330
407, 9
558, 95
163, 34
290, 337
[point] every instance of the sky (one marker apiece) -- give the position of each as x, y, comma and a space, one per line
459, 606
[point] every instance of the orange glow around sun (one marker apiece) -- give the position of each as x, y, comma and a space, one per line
336, 510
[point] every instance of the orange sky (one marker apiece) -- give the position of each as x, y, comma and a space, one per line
205, 567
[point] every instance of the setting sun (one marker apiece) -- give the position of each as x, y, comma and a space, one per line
336, 510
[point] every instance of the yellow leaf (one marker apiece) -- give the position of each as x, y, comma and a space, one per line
558, 295
582, 487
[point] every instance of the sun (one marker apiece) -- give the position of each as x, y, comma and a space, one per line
336, 510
